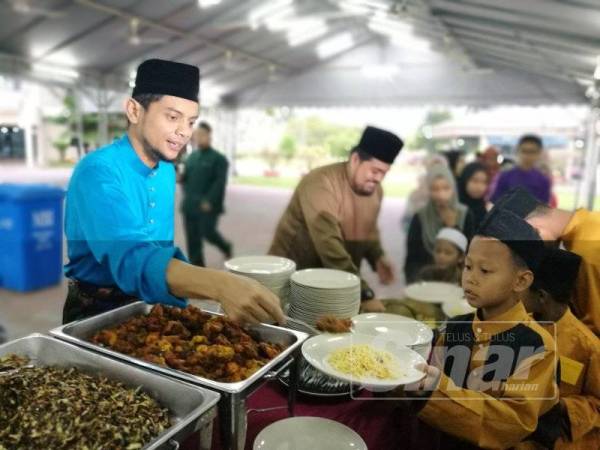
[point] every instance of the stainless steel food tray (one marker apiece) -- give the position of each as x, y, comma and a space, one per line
192, 408
80, 332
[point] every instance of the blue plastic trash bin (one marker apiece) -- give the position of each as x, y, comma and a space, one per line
31, 246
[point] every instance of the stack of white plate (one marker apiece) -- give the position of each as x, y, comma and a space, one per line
319, 292
271, 271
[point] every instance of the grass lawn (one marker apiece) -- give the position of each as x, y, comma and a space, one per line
275, 182
392, 188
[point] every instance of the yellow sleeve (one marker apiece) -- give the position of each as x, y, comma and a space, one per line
584, 409
491, 422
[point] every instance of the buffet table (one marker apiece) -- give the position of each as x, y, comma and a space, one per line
381, 425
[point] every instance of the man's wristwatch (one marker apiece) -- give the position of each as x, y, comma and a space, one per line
366, 294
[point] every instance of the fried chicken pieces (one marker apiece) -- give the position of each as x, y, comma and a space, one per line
332, 324
192, 341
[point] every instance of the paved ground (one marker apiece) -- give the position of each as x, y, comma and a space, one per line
252, 214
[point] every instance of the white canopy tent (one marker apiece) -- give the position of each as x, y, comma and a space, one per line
316, 52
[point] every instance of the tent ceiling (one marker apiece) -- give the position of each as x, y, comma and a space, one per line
542, 50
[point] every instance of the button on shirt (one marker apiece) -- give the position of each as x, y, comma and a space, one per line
119, 222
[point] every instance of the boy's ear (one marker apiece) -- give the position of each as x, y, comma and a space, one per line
523, 281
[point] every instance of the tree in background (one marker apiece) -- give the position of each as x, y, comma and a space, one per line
117, 125
340, 143
313, 155
61, 146
423, 140
287, 147
317, 140
272, 158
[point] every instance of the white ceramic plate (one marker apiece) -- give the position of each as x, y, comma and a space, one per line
304, 433
266, 265
318, 300
457, 308
434, 292
318, 349
403, 330
326, 279
274, 280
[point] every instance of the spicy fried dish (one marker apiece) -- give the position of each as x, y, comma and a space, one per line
192, 341
332, 324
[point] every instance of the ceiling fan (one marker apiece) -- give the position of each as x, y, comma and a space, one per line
135, 39
28, 7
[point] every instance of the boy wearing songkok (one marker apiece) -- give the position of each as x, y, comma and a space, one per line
577, 422
579, 232
492, 373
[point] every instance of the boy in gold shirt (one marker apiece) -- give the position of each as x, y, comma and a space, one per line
492, 373
579, 232
578, 348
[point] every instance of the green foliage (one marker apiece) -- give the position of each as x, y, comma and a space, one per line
61, 146
312, 154
339, 144
117, 125
422, 138
271, 157
314, 139
287, 147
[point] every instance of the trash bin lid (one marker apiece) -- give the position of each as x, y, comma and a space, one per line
11, 191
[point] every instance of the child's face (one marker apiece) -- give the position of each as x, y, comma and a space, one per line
490, 276
529, 154
446, 254
441, 191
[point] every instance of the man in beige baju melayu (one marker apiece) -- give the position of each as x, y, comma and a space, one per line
331, 220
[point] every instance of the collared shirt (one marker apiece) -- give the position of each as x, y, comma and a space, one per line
582, 236
204, 180
119, 222
579, 351
327, 224
533, 180
509, 381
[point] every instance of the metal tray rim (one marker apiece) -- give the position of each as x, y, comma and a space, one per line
231, 388
176, 426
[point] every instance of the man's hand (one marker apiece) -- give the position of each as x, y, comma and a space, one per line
205, 207
243, 299
385, 271
372, 306
246, 300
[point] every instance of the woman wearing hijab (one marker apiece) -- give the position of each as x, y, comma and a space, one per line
472, 187
442, 210
418, 198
